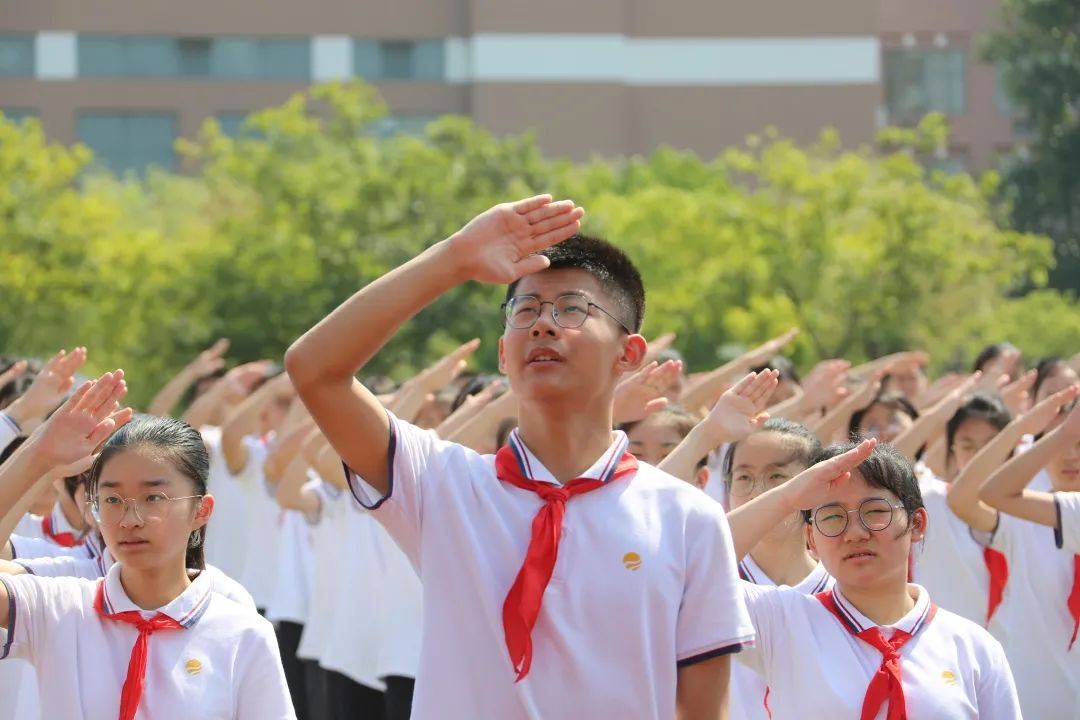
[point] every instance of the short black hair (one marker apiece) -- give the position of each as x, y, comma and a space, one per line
893, 400
886, 468
608, 264
980, 406
798, 432
1045, 369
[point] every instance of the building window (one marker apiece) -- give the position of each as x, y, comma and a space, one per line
17, 55
239, 58
1002, 101
399, 59
919, 81
406, 124
126, 142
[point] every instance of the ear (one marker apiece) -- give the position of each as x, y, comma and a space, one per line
502, 357
811, 546
701, 477
633, 354
204, 511
919, 522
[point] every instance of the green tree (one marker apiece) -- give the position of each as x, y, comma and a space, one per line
1038, 51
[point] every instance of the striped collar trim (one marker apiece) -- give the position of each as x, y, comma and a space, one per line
914, 621
817, 581
187, 609
603, 469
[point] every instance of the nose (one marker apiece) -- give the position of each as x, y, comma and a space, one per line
545, 324
132, 511
855, 530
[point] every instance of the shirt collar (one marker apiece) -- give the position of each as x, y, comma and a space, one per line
60, 523
602, 469
817, 581
911, 623
186, 609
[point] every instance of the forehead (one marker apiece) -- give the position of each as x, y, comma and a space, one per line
655, 430
549, 284
133, 466
765, 448
976, 426
856, 489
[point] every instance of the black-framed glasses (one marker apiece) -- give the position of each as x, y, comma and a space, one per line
875, 514
568, 311
110, 509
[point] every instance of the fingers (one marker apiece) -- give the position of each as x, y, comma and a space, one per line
534, 263
219, 348
101, 432
107, 389
465, 349
850, 460
548, 211
761, 388
782, 340
13, 373
77, 396
526, 206
555, 231
70, 363
655, 405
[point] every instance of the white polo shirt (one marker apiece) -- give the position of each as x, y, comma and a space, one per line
290, 592
1036, 614
352, 648
264, 517
29, 524
1068, 508
224, 664
950, 562
747, 698
402, 613
817, 669
23, 547
645, 580
8, 431
227, 535
327, 551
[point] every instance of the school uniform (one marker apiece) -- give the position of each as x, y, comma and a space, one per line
226, 545
401, 624
644, 580
9, 430
290, 598
205, 656
18, 691
263, 523
748, 689
351, 653
327, 551
29, 524
956, 565
815, 652
35, 547
1068, 510
1043, 581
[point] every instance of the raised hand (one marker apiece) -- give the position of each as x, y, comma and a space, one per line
82, 423
211, 360
499, 245
824, 386
239, 381
812, 486
642, 393
48, 389
741, 409
767, 351
1017, 394
443, 372
658, 345
948, 405
14, 372
1040, 417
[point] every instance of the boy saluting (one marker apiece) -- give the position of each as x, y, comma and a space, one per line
562, 578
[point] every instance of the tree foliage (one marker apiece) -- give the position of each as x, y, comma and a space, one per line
863, 248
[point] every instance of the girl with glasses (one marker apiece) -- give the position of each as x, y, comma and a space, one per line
874, 645
149, 635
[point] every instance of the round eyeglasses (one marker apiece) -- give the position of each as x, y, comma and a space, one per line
152, 507
743, 485
568, 311
875, 514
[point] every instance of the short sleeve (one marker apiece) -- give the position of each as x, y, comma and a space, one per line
995, 689
262, 692
62, 566
34, 604
764, 604
412, 453
1068, 510
23, 548
712, 618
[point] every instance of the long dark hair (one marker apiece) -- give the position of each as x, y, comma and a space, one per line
181, 444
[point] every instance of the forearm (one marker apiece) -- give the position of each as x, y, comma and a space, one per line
18, 476
703, 393
682, 462
290, 491
925, 427
795, 408
751, 522
836, 421
167, 398
1006, 484
702, 690
283, 451
205, 408
11, 518
480, 431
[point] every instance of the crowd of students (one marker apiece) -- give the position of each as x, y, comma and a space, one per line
592, 533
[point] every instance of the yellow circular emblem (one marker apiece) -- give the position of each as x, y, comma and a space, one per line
948, 677
194, 667
632, 561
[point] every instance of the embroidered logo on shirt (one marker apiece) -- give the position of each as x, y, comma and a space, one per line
193, 667
632, 561
949, 678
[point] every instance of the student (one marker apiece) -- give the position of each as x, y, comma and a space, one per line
1035, 612
874, 646
767, 458
652, 439
633, 581
884, 419
148, 635
958, 567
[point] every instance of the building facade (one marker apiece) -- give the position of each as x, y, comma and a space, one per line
605, 77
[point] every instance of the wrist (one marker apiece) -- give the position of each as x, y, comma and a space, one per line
452, 262
21, 415
706, 437
33, 459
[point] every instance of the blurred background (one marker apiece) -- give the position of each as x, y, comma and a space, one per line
885, 174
